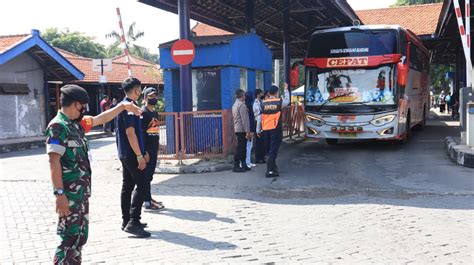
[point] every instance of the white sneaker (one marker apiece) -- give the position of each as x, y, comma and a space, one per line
251, 165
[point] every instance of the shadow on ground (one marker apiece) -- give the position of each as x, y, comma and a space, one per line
189, 241
193, 215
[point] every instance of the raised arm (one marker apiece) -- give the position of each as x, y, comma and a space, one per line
110, 114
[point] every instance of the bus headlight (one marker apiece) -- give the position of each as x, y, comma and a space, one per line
315, 120
383, 120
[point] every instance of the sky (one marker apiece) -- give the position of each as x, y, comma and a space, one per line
98, 17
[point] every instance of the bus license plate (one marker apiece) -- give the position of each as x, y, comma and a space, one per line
348, 134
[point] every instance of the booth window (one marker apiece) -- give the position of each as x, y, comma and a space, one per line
206, 85
259, 80
243, 79
14, 89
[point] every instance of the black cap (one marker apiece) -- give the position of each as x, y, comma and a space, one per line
75, 93
149, 90
273, 89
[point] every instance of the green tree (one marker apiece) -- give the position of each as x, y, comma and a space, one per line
75, 42
415, 2
438, 77
131, 36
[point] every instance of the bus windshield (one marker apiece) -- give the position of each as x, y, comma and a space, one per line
336, 87
353, 43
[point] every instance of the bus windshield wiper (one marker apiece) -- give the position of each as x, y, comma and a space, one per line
331, 98
365, 103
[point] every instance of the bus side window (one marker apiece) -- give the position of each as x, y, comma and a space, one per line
416, 61
403, 42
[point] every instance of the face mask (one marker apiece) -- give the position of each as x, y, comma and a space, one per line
82, 111
152, 101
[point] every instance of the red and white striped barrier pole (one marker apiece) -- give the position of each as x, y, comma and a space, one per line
464, 38
124, 43
468, 37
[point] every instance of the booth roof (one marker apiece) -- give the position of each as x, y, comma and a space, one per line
206, 40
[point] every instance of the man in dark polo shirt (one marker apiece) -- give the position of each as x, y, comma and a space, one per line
131, 151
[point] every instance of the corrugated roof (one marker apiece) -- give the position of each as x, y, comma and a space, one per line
304, 17
421, 19
206, 40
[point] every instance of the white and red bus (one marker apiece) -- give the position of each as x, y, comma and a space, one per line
365, 82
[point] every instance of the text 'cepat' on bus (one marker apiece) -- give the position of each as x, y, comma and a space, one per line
365, 82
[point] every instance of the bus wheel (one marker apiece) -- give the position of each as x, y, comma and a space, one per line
331, 141
422, 125
408, 128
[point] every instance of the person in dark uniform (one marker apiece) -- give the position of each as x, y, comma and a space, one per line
271, 125
131, 150
151, 131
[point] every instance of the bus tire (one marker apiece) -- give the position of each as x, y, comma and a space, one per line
331, 141
422, 125
408, 128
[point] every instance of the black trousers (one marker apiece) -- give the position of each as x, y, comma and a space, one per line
241, 150
274, 139
260, 149
149, 172
132, 176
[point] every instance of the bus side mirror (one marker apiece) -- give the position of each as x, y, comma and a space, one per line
402, 70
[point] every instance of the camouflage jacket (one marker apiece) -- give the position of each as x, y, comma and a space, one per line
66, 138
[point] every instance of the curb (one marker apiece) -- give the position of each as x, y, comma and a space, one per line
460, 154
6, 148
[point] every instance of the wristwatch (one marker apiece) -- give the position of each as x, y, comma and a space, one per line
140, 157
59, 192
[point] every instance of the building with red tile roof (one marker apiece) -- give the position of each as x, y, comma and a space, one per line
420, 19
7, 42
201, 29
145, 71
27, 64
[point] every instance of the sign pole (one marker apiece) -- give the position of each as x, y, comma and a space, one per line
185, 70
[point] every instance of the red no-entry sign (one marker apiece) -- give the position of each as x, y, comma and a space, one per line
183, 52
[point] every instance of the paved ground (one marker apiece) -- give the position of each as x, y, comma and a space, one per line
353, 203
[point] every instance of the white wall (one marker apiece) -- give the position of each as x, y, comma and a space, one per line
22, 115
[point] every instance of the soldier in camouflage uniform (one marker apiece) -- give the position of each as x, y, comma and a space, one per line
68, 151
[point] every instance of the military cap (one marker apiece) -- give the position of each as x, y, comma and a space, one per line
76, 93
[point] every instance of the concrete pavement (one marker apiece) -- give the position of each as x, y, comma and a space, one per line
358, 202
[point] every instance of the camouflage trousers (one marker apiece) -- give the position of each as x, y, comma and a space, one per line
73, 231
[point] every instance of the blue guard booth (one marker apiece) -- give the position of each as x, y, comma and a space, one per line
222, 65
